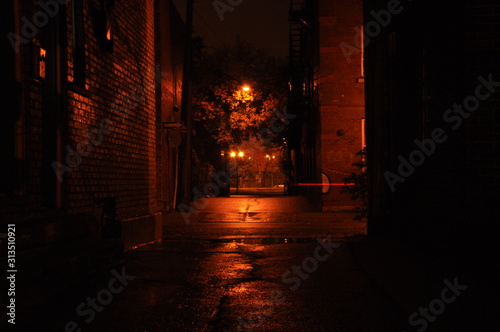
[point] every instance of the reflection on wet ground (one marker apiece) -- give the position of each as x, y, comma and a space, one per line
248, 217
267, 240
254, 265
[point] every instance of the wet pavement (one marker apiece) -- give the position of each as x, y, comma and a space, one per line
268, 264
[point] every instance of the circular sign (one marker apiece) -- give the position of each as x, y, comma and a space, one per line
174, 138
326, 183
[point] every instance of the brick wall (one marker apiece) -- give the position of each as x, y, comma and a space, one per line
116, 103
341, 95
87, 135
120, 90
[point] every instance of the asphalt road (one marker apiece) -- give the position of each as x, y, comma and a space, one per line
249, 264
267, 264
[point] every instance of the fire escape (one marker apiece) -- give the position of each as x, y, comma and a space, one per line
303, 57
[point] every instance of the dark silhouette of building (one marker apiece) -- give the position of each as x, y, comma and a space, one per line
302, 136
432, 123
87, 166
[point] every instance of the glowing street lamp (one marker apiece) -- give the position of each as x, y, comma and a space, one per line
269, 158
240, 155
246, 88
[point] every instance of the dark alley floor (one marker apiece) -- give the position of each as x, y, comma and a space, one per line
270, 264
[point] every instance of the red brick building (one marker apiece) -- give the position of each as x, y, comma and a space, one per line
86, 86
341, 94
328, 93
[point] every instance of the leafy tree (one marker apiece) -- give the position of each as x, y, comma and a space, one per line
259, 160
224, 113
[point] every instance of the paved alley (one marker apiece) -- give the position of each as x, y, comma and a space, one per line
264, 264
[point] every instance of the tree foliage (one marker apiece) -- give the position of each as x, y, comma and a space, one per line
224, 113
259, 158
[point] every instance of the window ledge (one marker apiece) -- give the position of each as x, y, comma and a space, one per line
78, 89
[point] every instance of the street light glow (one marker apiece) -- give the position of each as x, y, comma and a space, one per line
240, 154
246, 88
233, 154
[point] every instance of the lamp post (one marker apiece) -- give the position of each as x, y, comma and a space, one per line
240, 155
269, 158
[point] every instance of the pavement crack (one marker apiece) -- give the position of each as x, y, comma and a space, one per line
219, 321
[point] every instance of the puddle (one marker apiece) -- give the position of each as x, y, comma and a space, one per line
256, 217
266, 240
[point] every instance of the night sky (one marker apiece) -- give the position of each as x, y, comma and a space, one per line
264, 23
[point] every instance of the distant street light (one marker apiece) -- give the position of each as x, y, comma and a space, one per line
246, 88
269, 158
240, 155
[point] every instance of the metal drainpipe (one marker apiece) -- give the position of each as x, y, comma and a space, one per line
186, 104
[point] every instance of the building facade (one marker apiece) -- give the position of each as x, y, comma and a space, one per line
327, 92
341, 96
87, 169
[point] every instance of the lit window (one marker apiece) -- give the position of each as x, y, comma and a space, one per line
362, 40
42, 62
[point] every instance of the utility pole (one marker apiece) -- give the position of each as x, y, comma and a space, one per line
186, 104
